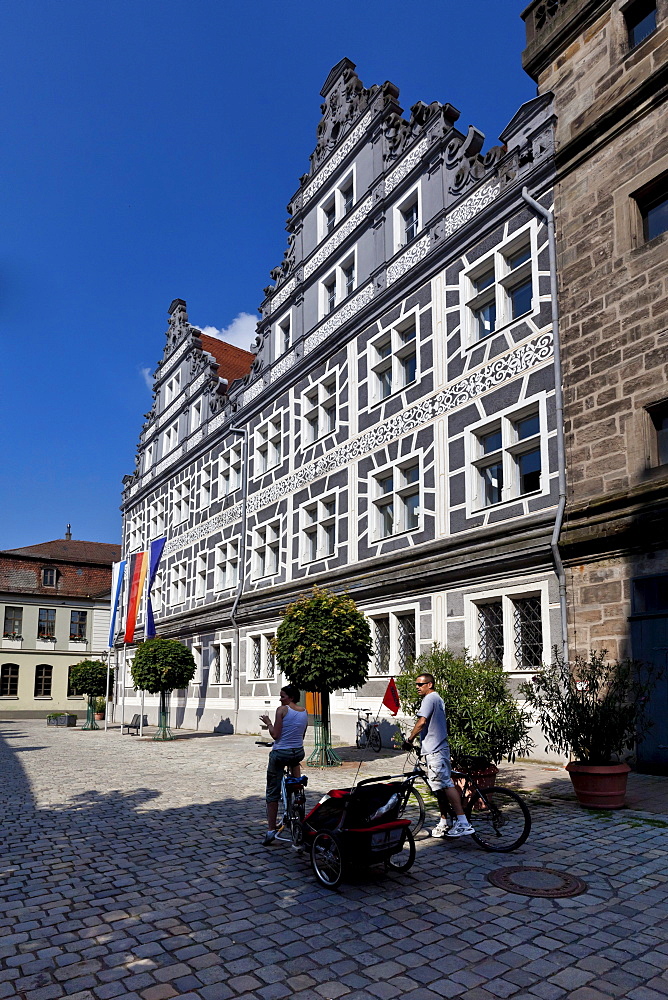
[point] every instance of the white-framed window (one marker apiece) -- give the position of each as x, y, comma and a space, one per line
318, 529
226, 570
507, 457
158, 592
394, 360
201, 564
260, 660
196, 415
319, 410
336, 204
135, 532
204, 491
339, 283
396, 499
156, 518
283, 335
499, 289
172, 388
407, 218
178, 583
510, 627
266, 550
220, 663
148, 456
229, 476
181, 502
394, 639
268, 445
170, 438
197, 657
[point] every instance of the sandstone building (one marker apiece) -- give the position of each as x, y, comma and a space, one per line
606, 64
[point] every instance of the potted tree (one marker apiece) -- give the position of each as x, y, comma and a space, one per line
100, 708
159, 666
323, 644
594, 710
484, 720
90, 677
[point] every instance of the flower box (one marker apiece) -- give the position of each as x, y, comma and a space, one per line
61, 719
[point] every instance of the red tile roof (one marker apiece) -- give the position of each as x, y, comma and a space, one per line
233, 362
71, 550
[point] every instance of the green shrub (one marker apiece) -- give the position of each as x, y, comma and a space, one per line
90, 677
162, 665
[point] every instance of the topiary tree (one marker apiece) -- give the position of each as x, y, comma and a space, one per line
90, 678
323, 644
484, 720
159, 666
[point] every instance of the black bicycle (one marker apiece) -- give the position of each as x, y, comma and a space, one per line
367, 732
292, 805
500, 816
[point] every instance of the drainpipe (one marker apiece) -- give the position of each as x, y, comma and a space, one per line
548, 218
243, 431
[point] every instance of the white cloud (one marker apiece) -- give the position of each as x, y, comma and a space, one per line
240, 332
147, 375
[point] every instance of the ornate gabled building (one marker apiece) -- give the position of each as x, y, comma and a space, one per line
394, 433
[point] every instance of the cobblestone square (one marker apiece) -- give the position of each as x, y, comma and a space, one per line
134, 869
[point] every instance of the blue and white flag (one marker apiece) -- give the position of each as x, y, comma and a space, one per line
117, 573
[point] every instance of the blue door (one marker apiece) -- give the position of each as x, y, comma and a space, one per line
649, 642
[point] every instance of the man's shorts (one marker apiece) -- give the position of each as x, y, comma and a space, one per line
438, 770
277, 761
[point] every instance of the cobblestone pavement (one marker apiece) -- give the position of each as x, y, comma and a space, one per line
134, 869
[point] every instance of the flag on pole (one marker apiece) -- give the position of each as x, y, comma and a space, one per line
155, 554
137, 575
391, 699
117, 573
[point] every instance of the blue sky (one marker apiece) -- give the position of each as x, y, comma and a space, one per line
150, 149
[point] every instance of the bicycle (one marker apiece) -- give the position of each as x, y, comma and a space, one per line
501, 818
367, 732
292, 805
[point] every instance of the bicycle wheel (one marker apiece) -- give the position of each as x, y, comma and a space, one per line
501, 819
359, 735
414, 811
327, 859
404, 858
374, 739
297, 815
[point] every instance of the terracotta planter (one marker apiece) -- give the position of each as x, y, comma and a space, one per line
599, 786
99, 716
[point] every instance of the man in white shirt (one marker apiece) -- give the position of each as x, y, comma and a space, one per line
433, 730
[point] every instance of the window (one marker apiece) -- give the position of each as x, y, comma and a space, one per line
338, 284
204, 494
135, 531
172, 388
318, 529
9, 680
158, 592
48, 578
507, 459
156, 518
179, 583
330, 294
394, 642
78, 624
200, 574
181, 502
509, 631
267, 550
13, 627
397, 500
348, 197
268, 445
262, 664
195, 415
336, 205
329, 212
226, 570
170, 438
220, 669
230, 471
283, 335
499, 289
640, 21
349, 277
46, 623
407, 219
659, 451
148, 456
394, 361
43, 677
72, 691
652, 201
409, 216
319, 409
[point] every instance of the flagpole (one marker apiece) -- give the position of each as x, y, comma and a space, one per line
106, 697
125, 667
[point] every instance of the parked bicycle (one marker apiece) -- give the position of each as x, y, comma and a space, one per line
292, 805
500, 816
367, 731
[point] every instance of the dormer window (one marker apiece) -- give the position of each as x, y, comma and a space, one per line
48, 577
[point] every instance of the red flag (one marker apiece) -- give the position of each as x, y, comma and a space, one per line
391, 699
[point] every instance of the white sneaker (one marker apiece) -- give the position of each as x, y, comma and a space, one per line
441, 829
460, 829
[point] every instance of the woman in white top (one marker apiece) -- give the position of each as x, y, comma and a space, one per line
287, 732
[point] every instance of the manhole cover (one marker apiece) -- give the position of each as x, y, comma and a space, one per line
537, 882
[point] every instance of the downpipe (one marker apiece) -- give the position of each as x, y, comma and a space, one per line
548, 218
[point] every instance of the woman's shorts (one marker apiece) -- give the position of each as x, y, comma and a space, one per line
277, 761
439, 770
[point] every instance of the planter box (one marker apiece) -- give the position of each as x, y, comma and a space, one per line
62, 720
600, 786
